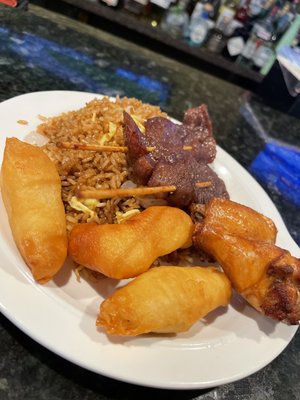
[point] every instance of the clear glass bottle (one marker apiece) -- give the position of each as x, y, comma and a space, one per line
259, 9
176, 20
285, 17
262, 54
259, 47
217, 38
199, 27
249, 49
216, 41
227, 11
265, 29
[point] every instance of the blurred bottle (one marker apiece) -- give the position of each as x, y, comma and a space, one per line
248, 51
192, 5
263, 52
236, 44
209, 8
285, 17
176, 20
231, 31
259, 9
217, 38
227, 12
242, 11
216, 41
199, 27
265, 28
265, 38
198, 9
213, 10
240, 29
289, 38
216, 4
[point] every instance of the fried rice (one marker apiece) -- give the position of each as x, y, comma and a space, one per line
99, 122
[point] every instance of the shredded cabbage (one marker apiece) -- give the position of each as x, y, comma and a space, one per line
139, 122
78, 272
122, 217
112, 129
86, 205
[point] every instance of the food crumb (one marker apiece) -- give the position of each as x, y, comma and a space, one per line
42, 117
22, 122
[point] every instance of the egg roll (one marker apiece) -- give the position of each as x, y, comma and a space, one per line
31, 192
166, 299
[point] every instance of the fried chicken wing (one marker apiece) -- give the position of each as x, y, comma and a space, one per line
164, 300
128, 249
239, 220
31, 191
267, 276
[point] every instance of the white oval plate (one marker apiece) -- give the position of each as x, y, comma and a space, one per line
229, 345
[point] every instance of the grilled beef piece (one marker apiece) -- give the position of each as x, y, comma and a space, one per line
216, 188
186, 174
169, 140
196, 131
170, 163
162, 133
177, 174
142, 169
203, 145
141, 161
198, 116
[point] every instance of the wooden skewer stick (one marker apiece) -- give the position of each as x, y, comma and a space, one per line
203, 184
97, 147
110, 149
130, 192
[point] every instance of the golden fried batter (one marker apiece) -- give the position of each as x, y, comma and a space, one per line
128, 249
31, 192
267, 276
164, 300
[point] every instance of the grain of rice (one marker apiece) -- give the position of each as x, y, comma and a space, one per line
42, 117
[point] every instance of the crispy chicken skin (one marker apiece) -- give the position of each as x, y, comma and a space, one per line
239, 220
31, 191
267, 276
165, 299
128, 249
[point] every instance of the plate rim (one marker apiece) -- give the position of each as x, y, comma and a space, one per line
162, 385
